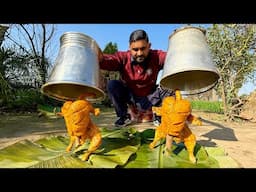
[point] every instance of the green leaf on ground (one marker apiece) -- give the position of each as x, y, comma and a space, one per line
124, 148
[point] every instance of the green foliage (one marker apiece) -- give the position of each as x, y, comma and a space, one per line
17, 77
208, 106
25, 99
48, 110
110, 48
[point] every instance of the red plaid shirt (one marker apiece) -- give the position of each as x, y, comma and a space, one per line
140, 78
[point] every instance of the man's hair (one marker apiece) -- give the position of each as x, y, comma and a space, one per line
138, 35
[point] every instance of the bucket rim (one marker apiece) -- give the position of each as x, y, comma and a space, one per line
103, 95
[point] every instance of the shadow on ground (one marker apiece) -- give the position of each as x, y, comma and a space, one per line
219, 133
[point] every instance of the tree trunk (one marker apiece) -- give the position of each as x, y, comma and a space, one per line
3, 29
223, 97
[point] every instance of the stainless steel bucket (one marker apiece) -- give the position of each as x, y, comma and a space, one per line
76, 70
188, 64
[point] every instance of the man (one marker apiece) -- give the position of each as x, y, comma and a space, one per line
136, 89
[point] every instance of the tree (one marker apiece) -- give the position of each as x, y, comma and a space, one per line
34, 40
110, 48
5, 88
233, 47
24, 62
4, 85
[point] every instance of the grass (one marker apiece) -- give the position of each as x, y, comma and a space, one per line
208, 106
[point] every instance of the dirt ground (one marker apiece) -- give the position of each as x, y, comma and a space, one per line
236, 138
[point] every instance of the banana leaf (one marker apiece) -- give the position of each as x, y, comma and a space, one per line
156, 158
124, 148
25, 154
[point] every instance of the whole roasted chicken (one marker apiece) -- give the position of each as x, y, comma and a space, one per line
175, 112
80, 126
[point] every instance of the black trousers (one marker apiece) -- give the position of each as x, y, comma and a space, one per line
121, 97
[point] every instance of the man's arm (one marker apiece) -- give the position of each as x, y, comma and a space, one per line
112, 62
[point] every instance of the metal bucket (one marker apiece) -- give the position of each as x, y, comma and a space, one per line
188, 64
76, 70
